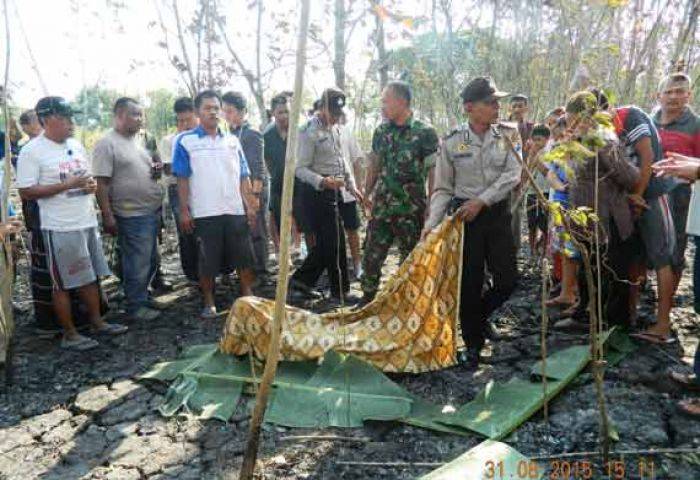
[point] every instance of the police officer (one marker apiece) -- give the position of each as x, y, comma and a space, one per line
324, 170
475, 174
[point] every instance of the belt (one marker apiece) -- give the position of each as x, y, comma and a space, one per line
457, 202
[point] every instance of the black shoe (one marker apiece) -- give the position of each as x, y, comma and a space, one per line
468, 359
295, 286
161, 286
365, 300
348, 300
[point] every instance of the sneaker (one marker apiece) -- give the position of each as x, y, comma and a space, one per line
145, 314
209, 313
79, 343
112, 329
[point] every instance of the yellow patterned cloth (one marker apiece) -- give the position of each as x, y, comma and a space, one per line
411, 326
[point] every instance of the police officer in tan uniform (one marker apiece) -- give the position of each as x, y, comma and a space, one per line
325, 172
475, 174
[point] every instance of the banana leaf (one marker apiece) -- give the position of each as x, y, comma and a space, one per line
344, 392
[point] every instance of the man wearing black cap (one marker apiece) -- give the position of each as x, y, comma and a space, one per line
235, 110
321, 165
475, 174
54, 169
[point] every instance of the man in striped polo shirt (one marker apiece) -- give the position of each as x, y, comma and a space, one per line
215, 196
650, 204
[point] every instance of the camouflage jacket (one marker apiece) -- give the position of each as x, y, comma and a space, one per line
405, 154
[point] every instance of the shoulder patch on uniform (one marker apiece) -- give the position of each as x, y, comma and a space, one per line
452, 133
509, 125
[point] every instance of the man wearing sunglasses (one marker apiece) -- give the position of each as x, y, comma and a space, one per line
54, 170
475, 174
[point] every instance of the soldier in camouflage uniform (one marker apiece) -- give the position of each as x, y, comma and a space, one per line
403, 152
475, 174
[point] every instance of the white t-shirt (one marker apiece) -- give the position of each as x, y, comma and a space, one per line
693, 225
45, 162
166, 153
351, 154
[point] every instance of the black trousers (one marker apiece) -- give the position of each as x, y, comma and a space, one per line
186, 241
259, 231
329, 252
616, 261
488, 241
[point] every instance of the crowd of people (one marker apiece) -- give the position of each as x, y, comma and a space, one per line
222, 179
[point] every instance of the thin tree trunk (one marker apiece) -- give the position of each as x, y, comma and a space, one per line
258, 71
339, 44
166, 44
254, 82
193, 86
209, 36
682, 43
382, 60
492, 38
273, 353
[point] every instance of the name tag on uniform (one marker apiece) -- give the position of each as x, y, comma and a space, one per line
463, 155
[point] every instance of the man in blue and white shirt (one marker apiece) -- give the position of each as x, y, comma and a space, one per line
216, 200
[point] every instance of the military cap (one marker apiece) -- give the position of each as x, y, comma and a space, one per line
481, 88
519, 97
335, 99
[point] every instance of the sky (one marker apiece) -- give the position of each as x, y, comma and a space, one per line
84, 47
80, 43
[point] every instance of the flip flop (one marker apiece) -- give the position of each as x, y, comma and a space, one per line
112, 329
560, 304
685, 380
654, 338
690, 407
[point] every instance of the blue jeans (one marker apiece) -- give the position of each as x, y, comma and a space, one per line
137, 238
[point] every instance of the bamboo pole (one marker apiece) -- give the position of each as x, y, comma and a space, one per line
250, 456
6, 319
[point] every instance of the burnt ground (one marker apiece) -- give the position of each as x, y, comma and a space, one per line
83, 415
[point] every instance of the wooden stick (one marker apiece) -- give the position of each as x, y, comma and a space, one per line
325, 438
7, 320
272, 358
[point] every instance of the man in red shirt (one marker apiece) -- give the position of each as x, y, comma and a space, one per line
679, 129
